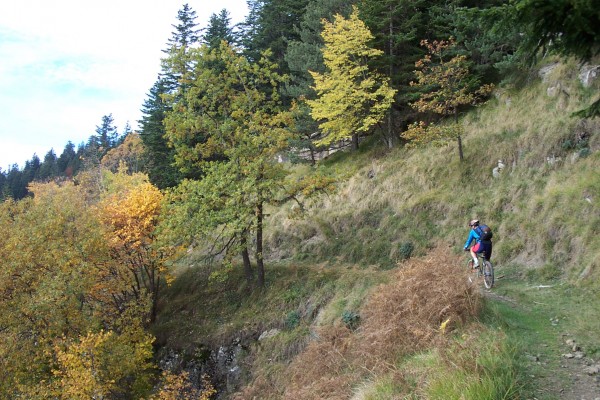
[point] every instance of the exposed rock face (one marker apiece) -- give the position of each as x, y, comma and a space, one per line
220, 364
545, 72
588, 73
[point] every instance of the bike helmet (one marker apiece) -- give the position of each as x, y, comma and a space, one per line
474, 222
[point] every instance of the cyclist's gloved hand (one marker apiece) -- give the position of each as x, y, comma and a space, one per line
466, 249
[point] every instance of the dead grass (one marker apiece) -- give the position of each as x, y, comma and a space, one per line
405, 316
397, 320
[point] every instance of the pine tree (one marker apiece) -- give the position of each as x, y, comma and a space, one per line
49, 167
106, 136
31, 170
566, 27
219, 28
185, 36
65, 160
2, 184
271, 25
16, 183
242, 127
159, 156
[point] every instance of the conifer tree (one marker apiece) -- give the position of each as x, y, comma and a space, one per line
31, 170
304, 55
566, 27
241, 127
185, 36
270, 25
106, 136
159, 156
351, 99
219, 28
67, 162
49, 167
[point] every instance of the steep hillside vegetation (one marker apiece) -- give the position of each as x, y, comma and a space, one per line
366, 297
543, 206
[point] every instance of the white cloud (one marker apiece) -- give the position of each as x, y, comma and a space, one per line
66, 63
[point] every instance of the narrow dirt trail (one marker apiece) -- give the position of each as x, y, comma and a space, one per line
557, 366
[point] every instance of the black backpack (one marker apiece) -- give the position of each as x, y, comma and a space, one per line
485, 232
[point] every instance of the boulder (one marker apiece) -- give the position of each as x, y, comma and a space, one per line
588, 73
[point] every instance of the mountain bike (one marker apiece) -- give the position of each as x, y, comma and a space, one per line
485, 269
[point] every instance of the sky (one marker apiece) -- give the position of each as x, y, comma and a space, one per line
64, 64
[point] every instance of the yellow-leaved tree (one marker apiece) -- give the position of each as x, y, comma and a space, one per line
129, 211
350, 98
55, 259
103, 365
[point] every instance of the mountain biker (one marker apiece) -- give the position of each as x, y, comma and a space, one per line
481, 246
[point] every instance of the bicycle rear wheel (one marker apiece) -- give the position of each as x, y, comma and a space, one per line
488, 274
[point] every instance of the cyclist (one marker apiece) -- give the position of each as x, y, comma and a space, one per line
481, 246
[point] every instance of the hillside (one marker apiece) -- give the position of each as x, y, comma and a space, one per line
366, 294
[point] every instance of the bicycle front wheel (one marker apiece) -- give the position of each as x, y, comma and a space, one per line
470, 265
488, 274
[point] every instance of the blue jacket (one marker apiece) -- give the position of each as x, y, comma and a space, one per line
474, 234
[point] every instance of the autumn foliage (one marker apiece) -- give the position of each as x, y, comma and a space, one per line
80, 276
350, 98
446, 85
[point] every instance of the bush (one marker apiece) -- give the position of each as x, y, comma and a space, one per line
292, 319
351, 319
406, 250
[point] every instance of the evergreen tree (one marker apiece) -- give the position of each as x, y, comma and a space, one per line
242, 127
107, 135
16, 183
271, 24
31, 171
185, 36
160, 158
68, 162
219, 28
126, 132
49, 167
397, 27
2, 183
566, 27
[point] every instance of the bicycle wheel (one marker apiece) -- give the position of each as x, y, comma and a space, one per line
488, 274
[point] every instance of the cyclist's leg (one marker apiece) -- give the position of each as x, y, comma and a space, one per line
474, 250
487, 250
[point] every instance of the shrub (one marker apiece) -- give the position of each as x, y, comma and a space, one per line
351, 319
406, 250
292, 319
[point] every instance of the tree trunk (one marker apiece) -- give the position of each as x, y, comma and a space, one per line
458, 138
313, 159
260, 267
246, 259
355, 141
390, 127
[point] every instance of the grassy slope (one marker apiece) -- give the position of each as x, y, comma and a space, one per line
545, 217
